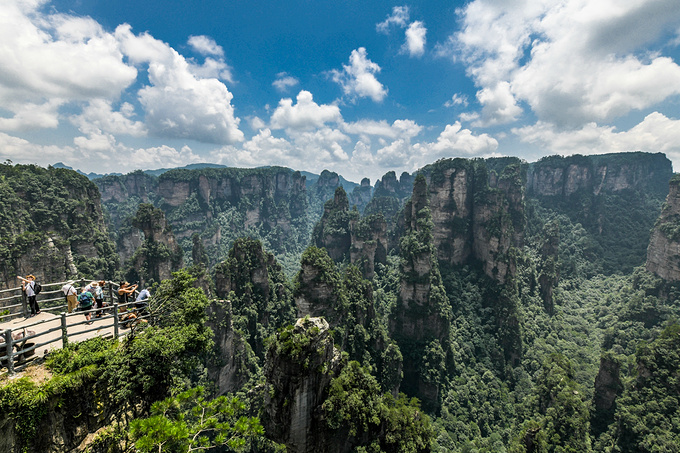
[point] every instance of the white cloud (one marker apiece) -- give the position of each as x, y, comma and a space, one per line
284, 81
304, 115
205, 45
19, 150
367, 128
33, 116
50, 60
358, 78
99, 115
457, 99
256, 123
656, 133
498, 105
415, 39
399, 18
573, 62
178, 104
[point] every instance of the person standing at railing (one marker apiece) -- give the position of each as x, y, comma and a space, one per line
71, 295
85, 302
124, 293
99, 297
28, 286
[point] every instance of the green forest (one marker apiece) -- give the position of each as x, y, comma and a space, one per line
478, 305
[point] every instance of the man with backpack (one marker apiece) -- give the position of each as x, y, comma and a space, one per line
85, 302
32, 289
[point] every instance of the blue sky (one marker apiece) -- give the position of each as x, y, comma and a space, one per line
360, 88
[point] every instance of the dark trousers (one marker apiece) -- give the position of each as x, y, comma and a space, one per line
33, 305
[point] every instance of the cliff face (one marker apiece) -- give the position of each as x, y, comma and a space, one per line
421, 319
476, 214
299, 368
51, 225
119, 189
159, 254
563, 176
257, 290
663, 253
235, 362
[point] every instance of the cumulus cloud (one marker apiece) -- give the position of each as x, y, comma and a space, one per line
99, 115
358, 78
205, 45
457, 99
49, 60
415, 39
304, 115
398, 18
398, 129
178, 104
572, 62
499, 106
656, 133
284, 81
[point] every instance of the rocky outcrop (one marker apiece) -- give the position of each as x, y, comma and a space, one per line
332, 232
361, 195
119, 189
420, 321
51, 226
257, 289
476, 214
317, 285
160, 254
563, 176
235, 361
300, 365
369, 242
663, 252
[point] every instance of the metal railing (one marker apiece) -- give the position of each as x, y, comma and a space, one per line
23, 348
14, 303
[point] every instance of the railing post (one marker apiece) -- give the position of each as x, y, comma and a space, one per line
10, 351
115, 320
111, 292
24, 303
64, 331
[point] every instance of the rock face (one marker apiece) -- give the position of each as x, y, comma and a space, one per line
159, 255
258, 291
52, 226
563, 176
476, 214
299, 367
346, 235
663, 253
369, 242
119, 189
421, 319
317, 285
235, 363
218, 204
332, 231
361, 195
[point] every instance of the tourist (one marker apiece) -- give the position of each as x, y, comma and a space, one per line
85, 302
28, 286
71, 295
99, 297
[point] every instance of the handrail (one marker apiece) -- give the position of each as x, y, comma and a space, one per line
26, 345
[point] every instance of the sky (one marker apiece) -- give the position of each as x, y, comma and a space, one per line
356, 87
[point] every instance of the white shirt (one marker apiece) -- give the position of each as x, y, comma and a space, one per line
69, 290
29, 289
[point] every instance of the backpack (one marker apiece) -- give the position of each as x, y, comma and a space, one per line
85, 300
37, 287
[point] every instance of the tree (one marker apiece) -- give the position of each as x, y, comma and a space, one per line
189, 422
